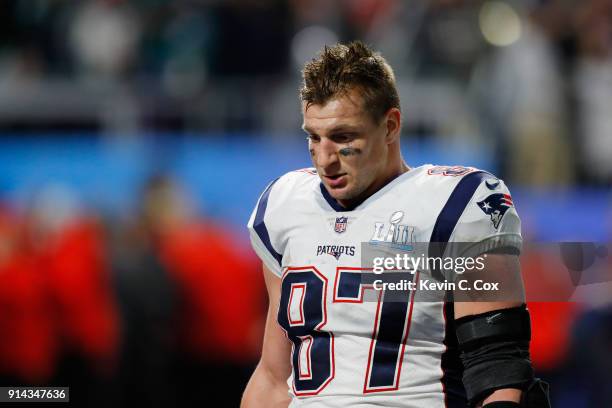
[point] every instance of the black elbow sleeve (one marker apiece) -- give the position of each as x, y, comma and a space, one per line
495, 351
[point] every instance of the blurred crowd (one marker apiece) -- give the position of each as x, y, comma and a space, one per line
531, 79
149, 311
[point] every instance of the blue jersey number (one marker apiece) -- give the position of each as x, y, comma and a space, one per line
302, 314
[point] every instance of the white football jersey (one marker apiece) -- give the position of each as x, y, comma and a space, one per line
348, 352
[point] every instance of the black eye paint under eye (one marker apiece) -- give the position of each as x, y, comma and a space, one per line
349, 151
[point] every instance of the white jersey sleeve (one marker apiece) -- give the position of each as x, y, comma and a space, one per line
264, 236
270, 221
489, 220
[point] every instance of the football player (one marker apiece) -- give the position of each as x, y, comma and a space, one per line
325, 345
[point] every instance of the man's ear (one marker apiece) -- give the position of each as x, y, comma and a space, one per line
393, 122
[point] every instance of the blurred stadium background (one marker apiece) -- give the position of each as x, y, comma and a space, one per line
135, 137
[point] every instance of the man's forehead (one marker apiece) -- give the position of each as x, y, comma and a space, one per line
346, 108
345, 102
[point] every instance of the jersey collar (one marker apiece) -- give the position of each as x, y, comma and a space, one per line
335, 205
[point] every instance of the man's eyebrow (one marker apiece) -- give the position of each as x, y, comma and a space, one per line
336, 129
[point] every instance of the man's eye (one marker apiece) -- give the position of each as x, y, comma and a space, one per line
343, 138
313, 138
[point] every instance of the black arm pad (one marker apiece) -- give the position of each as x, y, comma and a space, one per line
495, 352
506, 324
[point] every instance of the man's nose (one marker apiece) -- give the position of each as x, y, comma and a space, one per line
327, 153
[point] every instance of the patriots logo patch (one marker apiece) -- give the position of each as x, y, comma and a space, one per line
496, 206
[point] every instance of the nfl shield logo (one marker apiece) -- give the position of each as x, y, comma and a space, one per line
340, 225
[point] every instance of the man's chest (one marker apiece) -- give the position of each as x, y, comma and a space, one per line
343, 238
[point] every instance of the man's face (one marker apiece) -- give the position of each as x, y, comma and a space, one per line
348, 148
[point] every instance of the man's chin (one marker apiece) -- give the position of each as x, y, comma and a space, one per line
341, 194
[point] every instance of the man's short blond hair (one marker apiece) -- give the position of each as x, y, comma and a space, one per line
343, 67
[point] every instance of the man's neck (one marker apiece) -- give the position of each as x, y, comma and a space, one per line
376, 186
